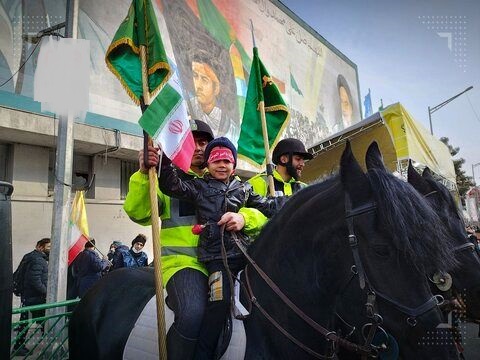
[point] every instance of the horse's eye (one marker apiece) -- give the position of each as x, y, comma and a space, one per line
381, 250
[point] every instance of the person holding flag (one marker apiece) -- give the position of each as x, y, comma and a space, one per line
137, 58
289, 157
87, 268
184, 277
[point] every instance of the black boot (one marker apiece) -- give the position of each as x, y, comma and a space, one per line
179, 347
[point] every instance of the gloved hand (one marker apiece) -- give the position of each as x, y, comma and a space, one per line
279, 201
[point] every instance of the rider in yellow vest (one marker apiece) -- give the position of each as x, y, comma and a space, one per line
184, 277
289, 157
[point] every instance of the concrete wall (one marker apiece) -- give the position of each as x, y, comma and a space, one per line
31, 204
30, 170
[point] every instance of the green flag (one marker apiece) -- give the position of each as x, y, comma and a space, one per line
220, 29
123, 55
261, 88
294, 85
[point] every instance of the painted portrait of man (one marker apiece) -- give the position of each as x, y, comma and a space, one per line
205, 70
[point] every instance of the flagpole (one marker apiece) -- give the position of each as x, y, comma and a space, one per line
268, 157
156, 223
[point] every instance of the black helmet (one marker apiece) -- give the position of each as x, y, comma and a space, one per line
290, 146
198, 126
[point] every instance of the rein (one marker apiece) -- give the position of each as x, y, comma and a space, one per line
329, 335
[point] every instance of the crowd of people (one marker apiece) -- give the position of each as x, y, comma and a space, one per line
202, 211
30, 278
208, 214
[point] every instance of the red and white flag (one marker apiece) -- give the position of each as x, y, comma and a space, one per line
166, 121
78, 227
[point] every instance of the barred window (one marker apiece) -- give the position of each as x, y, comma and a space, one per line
127, 168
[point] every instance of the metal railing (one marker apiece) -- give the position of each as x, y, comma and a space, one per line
41, 336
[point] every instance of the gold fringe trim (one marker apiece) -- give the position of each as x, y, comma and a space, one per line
136, 50
159, 65
277, 108
129, 92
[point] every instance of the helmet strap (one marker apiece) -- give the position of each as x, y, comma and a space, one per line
289, 167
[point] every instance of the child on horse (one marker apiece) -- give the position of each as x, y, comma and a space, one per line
218, 192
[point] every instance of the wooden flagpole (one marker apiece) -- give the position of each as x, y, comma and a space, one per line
156, 223
268, 157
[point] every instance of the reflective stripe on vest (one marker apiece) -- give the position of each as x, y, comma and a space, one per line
182, 213
179, 250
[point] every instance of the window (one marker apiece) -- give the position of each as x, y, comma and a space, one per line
5, 174
127, 168
82, 173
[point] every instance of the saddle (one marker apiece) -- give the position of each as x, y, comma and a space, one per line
142, 343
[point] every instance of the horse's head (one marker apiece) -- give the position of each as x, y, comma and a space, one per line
373, 221
399, 249
466, 276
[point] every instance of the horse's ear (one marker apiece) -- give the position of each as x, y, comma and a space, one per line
353, 179
373, 158
416, 180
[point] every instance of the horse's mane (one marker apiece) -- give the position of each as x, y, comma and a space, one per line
416, 228
454, 218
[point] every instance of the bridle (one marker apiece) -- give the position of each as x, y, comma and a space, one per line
372, 293
366, 350
468, 245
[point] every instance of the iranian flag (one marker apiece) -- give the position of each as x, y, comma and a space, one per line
78, 227
166, 121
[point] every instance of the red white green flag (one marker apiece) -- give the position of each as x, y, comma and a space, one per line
166, 121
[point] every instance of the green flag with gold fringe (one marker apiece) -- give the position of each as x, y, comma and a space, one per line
261, 88
123, 55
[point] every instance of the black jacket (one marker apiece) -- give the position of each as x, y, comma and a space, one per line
213, 198
35, 279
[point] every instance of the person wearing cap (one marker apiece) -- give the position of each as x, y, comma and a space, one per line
87, 268
133, 257
213, 195
289, 157
115, 244
184, 277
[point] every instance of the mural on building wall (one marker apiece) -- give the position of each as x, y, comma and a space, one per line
211, 44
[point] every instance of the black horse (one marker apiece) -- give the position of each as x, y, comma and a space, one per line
466, 277
353, 323
368, 224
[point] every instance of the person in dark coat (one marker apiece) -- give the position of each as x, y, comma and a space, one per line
133, 257
113, 247
34, 289
87, 268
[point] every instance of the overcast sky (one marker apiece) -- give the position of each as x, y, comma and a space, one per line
419, 53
